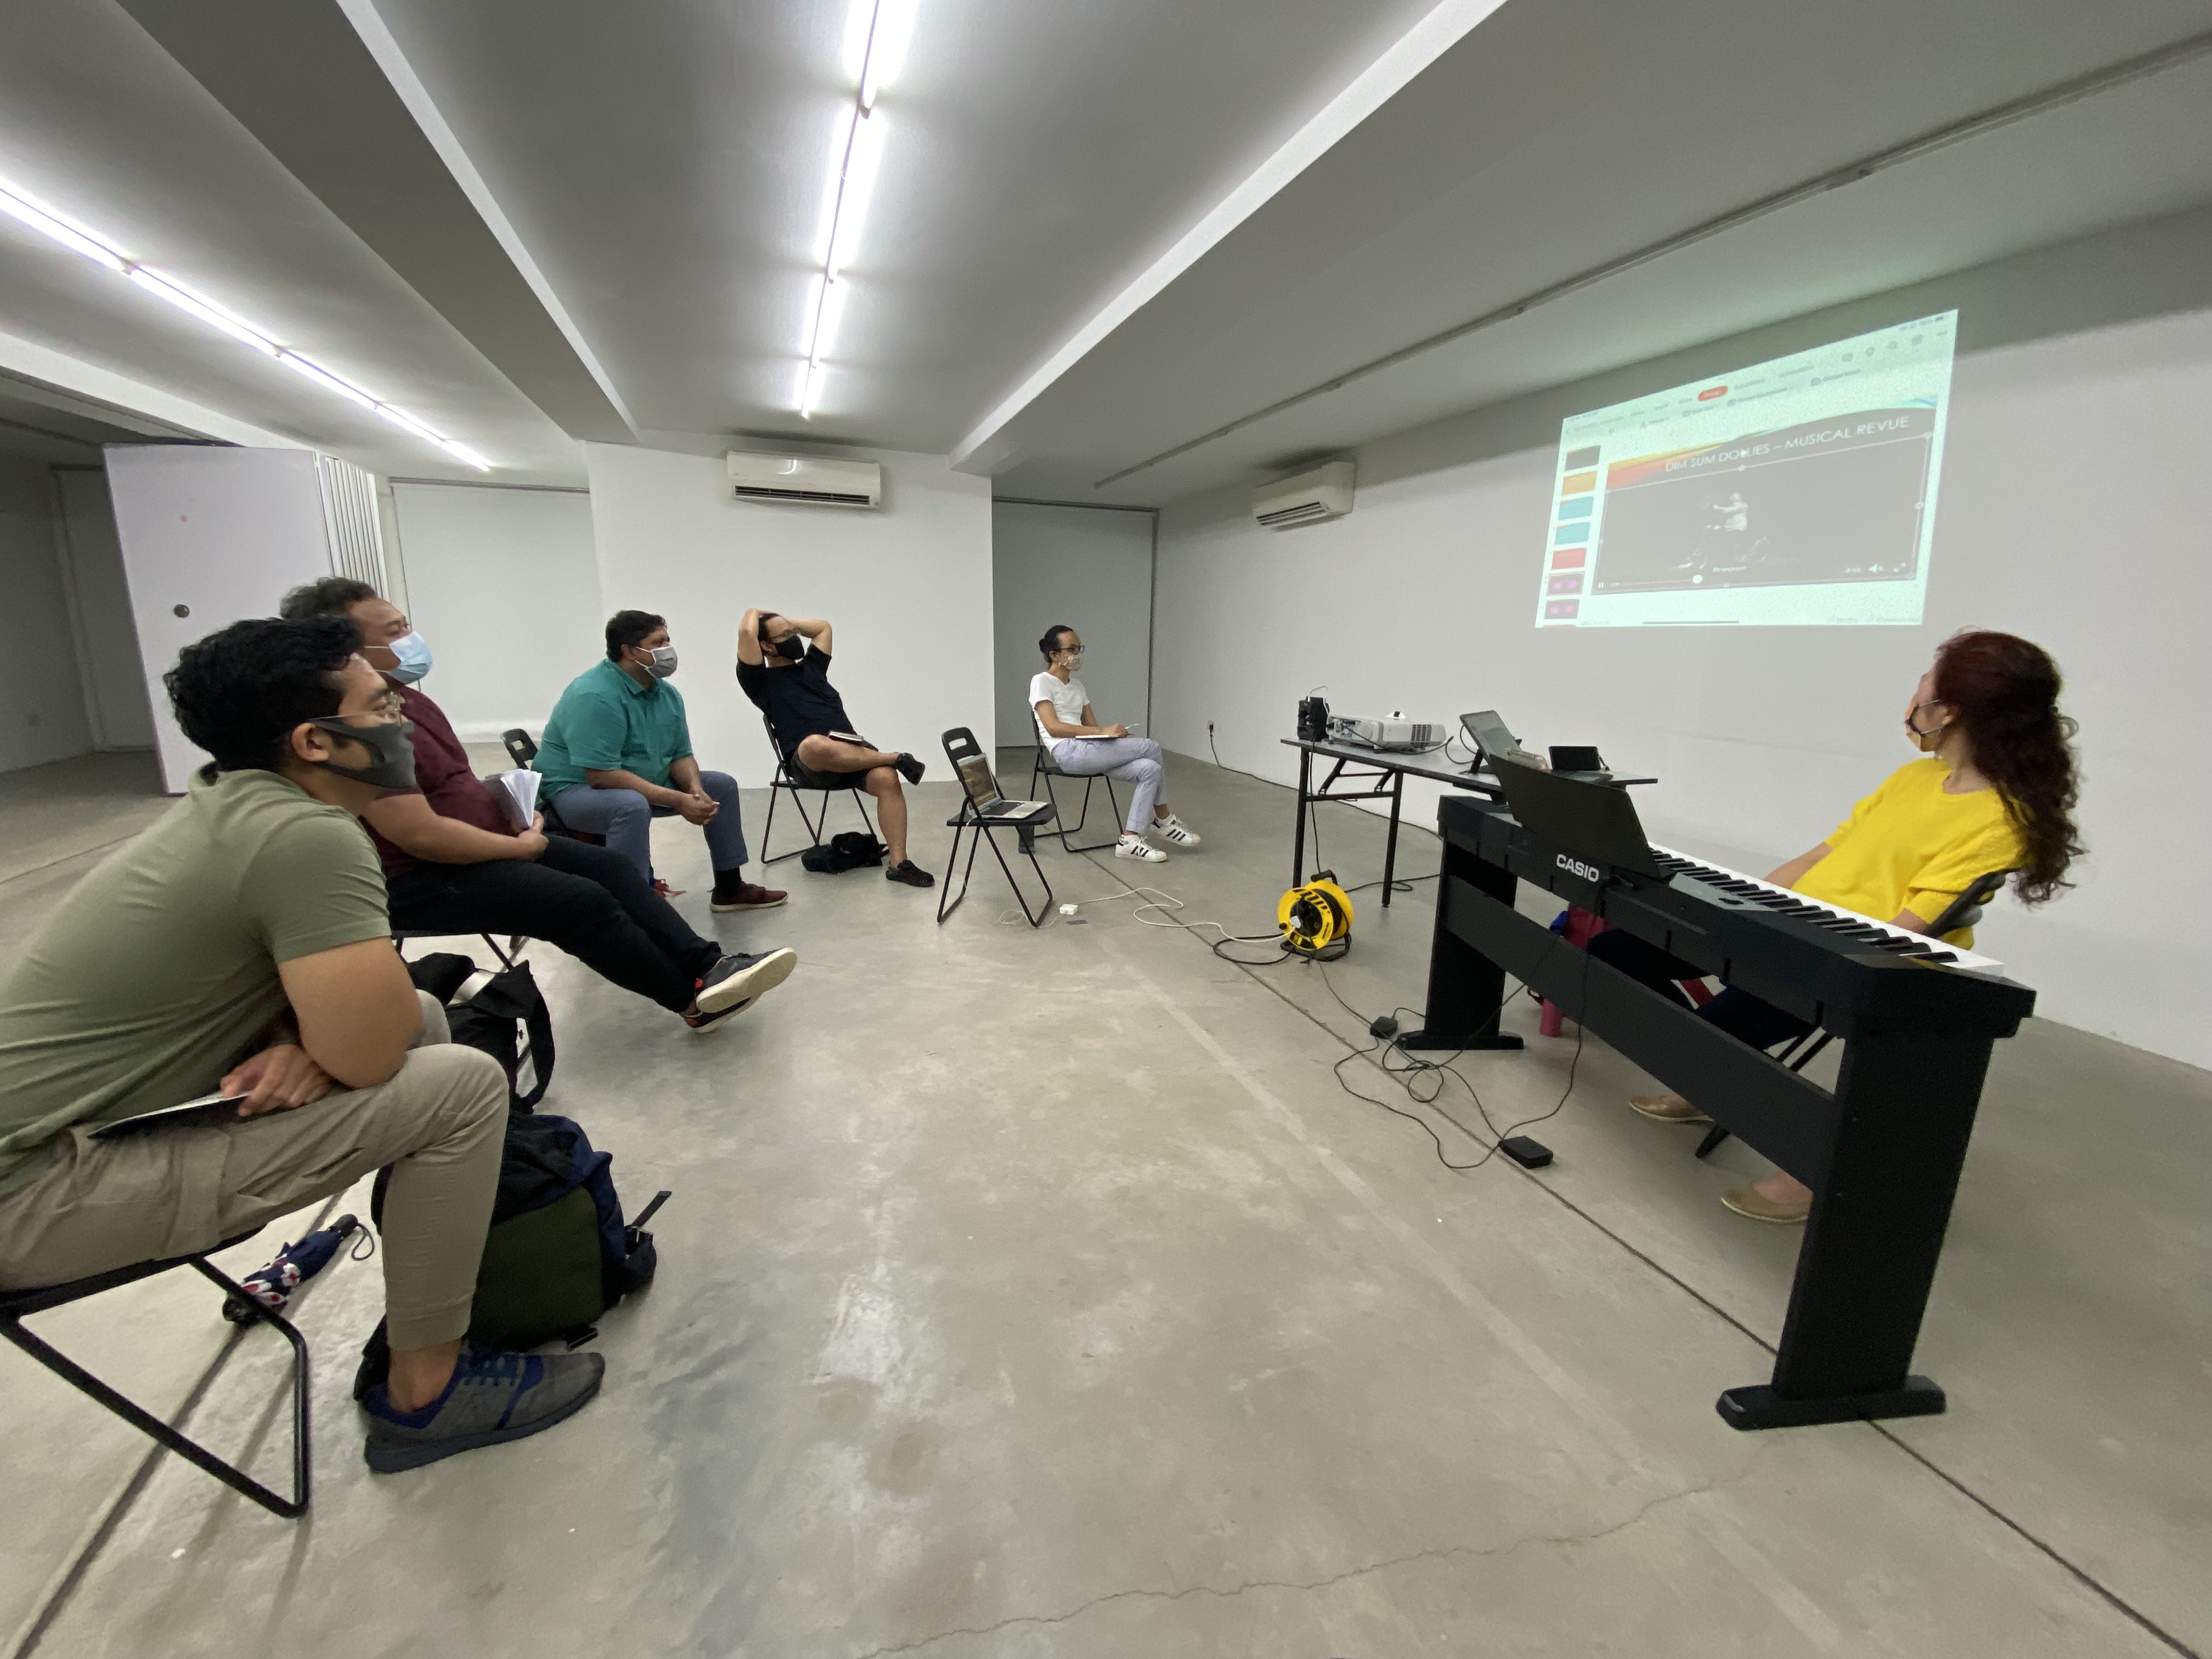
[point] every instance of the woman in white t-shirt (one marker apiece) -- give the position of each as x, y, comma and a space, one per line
1082, 747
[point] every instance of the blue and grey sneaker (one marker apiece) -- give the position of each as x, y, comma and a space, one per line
492, 1396
736, 981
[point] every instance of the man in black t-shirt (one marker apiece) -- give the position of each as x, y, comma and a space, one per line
783, 664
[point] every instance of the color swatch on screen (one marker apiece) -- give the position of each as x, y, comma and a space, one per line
1576, 483
1570, 558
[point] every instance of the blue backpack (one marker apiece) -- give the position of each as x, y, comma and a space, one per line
558, 1254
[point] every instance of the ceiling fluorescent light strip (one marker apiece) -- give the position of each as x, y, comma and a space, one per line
876, 33
77, 240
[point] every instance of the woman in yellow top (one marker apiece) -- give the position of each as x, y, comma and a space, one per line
1997, 793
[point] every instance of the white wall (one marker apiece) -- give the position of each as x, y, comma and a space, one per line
2071, 513
908, 589
106, 639
219, 535
505, 586
1091, 569
42, 713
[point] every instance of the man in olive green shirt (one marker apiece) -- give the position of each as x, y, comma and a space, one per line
240, 946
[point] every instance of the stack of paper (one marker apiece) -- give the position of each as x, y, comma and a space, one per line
518, 795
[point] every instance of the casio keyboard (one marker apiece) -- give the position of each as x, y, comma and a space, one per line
1881, 1151
1733, 888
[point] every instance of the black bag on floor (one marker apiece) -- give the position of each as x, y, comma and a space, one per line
851, 849
558, 1254
442, 973
508, 1018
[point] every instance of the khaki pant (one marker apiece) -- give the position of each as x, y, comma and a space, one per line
440, 1123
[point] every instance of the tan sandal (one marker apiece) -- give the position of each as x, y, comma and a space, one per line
1750, 1201
1660, 1110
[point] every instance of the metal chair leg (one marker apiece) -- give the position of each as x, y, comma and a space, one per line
185, 1447
813, 829
1064, 831
947, 900
1035, 918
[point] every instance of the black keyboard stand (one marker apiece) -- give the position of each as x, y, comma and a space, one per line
1882, 1152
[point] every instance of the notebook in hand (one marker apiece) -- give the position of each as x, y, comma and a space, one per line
517, 794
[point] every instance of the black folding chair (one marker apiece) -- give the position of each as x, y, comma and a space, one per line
17, 1305
507, 954
1963, 911
960, 746
786, 779
1048, 768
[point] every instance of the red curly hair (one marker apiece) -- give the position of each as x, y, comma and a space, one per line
2004, 691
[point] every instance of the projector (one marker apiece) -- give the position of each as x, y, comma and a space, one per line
1396, 732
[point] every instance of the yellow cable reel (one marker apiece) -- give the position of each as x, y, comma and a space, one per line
1317, 917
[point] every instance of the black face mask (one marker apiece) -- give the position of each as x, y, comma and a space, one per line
394, 765
791, 647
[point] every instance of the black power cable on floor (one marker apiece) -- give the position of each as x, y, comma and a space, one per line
1384, 1029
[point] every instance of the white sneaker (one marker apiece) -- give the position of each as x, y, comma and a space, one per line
1172, 828
1137, 848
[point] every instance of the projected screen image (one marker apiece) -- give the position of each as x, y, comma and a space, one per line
1797, 492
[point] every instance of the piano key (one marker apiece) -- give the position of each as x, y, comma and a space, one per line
1830, 918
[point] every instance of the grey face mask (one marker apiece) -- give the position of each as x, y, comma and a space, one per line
664, 661
393, 767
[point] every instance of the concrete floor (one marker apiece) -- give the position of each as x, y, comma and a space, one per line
1043, 1294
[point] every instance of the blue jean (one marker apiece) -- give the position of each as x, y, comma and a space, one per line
625, 818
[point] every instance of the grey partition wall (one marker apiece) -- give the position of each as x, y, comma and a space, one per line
1092, 568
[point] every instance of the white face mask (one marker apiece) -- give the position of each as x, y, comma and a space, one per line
1074, 661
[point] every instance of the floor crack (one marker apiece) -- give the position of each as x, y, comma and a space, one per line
1448, 1553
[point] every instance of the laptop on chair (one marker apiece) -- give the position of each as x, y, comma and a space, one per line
988, 801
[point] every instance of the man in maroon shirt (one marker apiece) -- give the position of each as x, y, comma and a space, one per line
453, 864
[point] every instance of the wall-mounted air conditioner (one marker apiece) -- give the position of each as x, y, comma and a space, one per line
807, 480
1323, 493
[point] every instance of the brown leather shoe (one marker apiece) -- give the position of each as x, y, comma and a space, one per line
1750, 1201
1660, 1110
749, 896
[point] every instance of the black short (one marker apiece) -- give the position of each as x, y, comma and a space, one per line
807, 778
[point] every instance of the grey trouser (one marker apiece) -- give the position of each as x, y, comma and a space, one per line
440, 1123
625, 818
1132, 760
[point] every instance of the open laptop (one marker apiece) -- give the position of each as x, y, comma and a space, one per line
1487, 732
1578, 816
983, 790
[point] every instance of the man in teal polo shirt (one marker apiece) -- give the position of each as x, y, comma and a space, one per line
617, 754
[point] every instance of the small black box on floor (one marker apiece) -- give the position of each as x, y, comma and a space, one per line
1527, 1153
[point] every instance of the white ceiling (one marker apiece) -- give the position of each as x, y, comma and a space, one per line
99, 121
658, 166
665, 165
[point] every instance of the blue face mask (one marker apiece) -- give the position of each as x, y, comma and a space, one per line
414, 653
